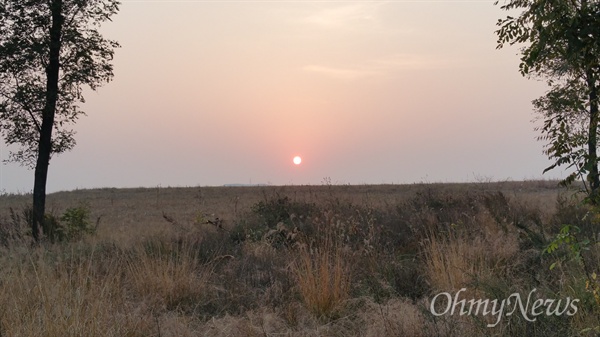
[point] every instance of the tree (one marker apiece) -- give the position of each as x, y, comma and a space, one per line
49, 50
562, 46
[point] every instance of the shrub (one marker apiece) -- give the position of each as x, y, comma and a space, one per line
74, 223
276, 218
71, 225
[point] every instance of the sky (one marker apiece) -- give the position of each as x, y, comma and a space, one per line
366, 92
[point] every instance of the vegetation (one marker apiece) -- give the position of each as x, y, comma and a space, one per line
562, 45
300, 261
296, 261
49, 50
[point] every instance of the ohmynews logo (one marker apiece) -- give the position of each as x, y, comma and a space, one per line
500, 308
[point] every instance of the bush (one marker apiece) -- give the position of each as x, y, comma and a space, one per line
71, 225
276, 219
279, 208
74, 223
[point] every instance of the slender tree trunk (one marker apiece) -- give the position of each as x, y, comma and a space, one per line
45, 141
593, 177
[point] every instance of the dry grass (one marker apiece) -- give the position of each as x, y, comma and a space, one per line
455, 259
323, 277
46, 295
292, 261
168, 278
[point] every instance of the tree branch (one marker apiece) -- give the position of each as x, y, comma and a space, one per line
27, 108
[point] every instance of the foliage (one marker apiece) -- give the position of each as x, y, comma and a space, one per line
562, 36
24, 59
75, 222
568, 237
275, 219
562, 46
580, 247
49, 50
563, 113
72, 225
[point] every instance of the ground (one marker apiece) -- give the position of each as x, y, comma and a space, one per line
322, 260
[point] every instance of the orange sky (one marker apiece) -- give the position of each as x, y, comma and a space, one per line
219, 92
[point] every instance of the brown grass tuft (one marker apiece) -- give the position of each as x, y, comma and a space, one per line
323, 276
168, 276
458, 259
50, 295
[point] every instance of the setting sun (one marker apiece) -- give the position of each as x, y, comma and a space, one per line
297, 160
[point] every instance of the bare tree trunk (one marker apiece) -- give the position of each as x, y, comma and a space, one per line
45, 141
593, 177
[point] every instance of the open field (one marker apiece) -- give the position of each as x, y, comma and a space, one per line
298, 261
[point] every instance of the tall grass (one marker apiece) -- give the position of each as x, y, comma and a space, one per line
323, 277
454, 260
319, 262
78, 290
167, 276
46, 294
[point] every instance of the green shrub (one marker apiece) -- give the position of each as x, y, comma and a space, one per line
74, 223
71, 225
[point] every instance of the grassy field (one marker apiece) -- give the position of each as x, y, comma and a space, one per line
298, 261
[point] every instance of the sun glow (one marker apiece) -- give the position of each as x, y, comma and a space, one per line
297, 160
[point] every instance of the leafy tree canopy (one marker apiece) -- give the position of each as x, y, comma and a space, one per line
560, 42
24, 59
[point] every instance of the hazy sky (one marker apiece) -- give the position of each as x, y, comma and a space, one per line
219, 92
